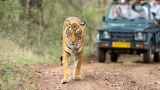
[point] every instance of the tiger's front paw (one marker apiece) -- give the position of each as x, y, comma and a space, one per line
77, 78
64, 81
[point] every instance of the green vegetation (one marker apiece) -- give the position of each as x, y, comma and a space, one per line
24, 42
128, 63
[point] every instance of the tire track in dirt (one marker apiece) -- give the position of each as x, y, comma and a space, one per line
49, 79
102, 76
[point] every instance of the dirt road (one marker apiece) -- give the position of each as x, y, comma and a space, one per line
103, 76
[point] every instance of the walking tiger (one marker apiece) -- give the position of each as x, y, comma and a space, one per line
73, 43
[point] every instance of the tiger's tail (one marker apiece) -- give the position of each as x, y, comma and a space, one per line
61, 59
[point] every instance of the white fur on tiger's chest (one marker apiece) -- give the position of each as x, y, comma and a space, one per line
77, 48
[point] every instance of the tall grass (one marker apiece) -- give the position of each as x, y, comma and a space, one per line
15, 64
12, 58
10, 50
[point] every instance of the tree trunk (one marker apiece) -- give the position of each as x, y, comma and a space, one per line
34, 17
28, 14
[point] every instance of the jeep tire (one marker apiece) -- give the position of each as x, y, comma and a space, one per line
101, 55
147, 55
157, 56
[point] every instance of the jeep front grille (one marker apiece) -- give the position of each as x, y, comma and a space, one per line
125, 36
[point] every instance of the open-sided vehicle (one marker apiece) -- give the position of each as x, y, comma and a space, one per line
128, 33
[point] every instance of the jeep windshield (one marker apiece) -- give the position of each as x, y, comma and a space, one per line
125, 12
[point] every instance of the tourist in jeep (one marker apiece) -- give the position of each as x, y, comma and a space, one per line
155, 10
122, 11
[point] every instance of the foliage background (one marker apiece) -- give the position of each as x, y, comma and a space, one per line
24, 43
45, 40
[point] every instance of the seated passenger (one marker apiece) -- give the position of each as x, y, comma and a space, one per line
122, 11
155, 10
139, 10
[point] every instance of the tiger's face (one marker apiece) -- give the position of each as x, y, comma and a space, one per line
74, 34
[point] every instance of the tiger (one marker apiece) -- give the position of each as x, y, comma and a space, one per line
73, 43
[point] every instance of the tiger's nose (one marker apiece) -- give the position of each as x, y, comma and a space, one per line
72, 42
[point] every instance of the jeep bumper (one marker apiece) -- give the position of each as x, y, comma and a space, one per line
123, 45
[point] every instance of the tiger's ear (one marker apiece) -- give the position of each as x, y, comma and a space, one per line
67, 23
83, 23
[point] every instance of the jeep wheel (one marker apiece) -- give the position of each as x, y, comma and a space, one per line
114, 57
147, 55
101, 55
157, 56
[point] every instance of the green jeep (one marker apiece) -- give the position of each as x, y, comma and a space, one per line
132, 32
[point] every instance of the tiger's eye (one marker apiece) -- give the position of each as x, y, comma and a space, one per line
70, 31
77, 31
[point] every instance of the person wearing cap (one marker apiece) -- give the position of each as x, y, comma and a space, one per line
123, 1
155, 12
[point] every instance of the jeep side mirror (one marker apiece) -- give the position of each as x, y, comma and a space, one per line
103, 19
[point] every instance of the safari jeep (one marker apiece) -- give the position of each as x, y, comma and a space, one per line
133, 34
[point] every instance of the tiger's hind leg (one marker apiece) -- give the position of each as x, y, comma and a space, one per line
65, 61
77, 68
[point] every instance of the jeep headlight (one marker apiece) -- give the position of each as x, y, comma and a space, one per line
97, 36
139, 36
106, 35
